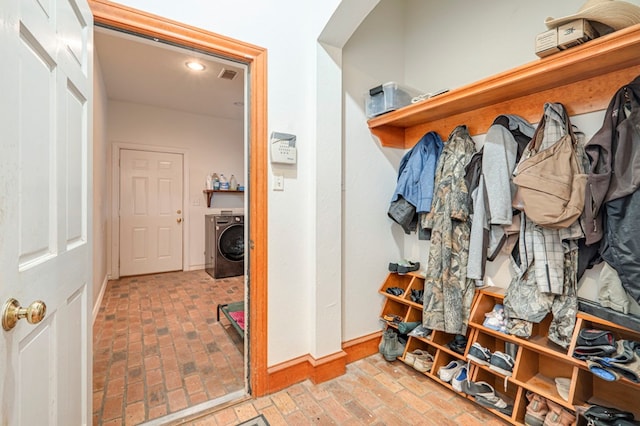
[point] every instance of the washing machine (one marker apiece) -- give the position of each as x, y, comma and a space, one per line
224, 245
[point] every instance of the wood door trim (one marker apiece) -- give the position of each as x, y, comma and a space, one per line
124, 18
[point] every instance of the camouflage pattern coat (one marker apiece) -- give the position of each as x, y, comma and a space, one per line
448, 292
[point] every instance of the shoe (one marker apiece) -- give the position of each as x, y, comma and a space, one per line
479, 354
537, 410
423, 363
396, 291
417, 296
495, 319
459, 378
408, 266
406, 327
386, 338
410, 357
449, 371
420, 331
392, 348
502, 363
458, 344
392, 318
477, 388
562, 385
558, 416
495, 402
404, 266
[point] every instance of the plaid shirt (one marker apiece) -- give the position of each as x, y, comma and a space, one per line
542, 250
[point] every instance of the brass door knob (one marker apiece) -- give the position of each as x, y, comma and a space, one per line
12, 312
179, 220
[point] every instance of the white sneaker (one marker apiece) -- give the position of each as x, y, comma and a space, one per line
449, 371
456, 382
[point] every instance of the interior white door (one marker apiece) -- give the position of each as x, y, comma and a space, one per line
150, 212
45, 209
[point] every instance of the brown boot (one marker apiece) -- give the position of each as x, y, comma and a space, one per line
536, 410
558, 416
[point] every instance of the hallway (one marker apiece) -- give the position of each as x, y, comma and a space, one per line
158, 347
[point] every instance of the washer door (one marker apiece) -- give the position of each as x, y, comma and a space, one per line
231, 243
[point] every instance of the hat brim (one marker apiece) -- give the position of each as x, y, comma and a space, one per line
615, 14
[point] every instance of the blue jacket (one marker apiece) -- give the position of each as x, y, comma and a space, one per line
417, 173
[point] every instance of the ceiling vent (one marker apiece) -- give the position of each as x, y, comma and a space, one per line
227, 74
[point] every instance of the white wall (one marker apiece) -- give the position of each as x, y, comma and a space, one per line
429, 46
100, 202
212, 144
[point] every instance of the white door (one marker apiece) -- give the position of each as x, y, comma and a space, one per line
150, 212
45, 209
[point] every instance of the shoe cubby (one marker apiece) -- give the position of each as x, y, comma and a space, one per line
392, 307
586, 321
536, 371
591, 389
442, 339
509, 392
537, 360
487, 299
395, 280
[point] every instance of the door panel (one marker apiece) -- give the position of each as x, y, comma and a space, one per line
150, 212
45, 124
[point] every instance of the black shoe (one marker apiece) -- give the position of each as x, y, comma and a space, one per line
396, 291
458, 344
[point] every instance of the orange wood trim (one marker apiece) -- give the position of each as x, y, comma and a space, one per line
598, 60
296, 370
328, 367
288, 373
362, 347
123, 18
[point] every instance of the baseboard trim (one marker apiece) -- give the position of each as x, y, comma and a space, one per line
320, 370
96, 306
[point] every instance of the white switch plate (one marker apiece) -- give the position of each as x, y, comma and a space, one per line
196, 202
278, 182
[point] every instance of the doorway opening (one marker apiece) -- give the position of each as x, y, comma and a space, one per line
121, 18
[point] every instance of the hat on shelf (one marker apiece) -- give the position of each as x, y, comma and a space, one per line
616, 14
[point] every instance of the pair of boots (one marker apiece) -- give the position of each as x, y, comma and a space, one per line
542, 412
390, 347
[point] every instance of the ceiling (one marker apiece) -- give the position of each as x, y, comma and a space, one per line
149, 72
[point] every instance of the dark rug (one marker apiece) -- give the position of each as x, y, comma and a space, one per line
256, 421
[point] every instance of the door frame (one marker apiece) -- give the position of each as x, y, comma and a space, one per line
113, 264
123, 18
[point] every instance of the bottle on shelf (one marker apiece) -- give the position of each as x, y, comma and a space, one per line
216, 181
224, 183
233, 183
209, 182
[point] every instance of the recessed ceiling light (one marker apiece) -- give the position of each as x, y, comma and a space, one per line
195, 66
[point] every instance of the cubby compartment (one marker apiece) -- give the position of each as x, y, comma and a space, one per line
442, 339
443, 359
586, 321
509, 392
416, 284
590, 389
414, 343
537, 371
393, 307
487, 299
397, 281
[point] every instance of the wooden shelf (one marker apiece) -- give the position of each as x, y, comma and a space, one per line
209, 193
583, 79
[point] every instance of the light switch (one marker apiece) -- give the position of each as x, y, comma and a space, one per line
278, 182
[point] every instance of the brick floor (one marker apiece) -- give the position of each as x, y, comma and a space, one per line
372, 392
151, 353
158, 347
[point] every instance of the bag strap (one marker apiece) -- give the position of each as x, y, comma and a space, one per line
536, 140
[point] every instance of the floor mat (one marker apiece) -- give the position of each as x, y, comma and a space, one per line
256, 421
